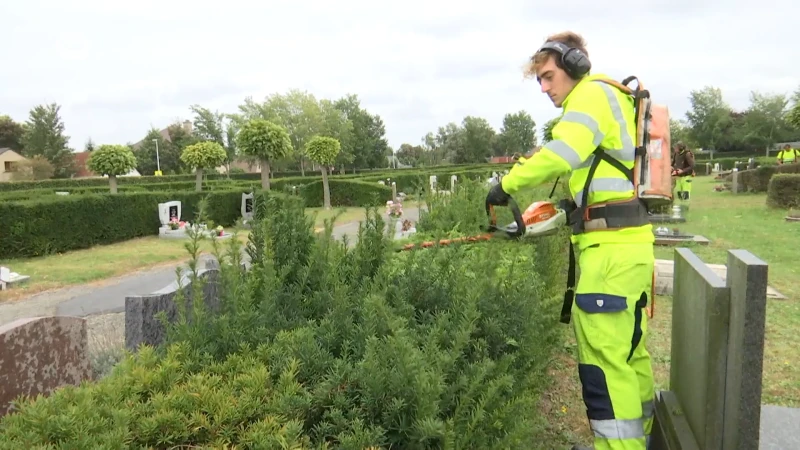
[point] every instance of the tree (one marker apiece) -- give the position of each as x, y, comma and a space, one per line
368, 145
765, 121
210, 126
708, 117
265, 141
148, 159
793, 115
112, 160
89, 146
44, 135
679, 131
203, 155
323, 150
11, 134
518, 134
32, 169
547, 130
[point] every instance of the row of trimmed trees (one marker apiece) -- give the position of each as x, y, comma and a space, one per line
258, 138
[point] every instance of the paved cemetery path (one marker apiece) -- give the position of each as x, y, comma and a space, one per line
109, 296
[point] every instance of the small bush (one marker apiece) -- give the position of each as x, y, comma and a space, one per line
784, 190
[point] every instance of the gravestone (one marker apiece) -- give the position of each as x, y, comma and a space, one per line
453, 182
394, 191
735, 181
9, 278
247, 206
716, 167
665, 236
170, 212
141, 324
708, 168
714, 400
432, 183
41, 354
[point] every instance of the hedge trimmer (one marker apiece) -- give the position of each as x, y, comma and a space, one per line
541, 218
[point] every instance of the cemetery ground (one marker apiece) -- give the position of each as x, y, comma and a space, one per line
99, 264
729, 221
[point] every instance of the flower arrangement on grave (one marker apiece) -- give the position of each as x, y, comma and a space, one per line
219, 230
394, 209
407, 225
175, 224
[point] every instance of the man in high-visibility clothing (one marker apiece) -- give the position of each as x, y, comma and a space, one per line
683, 171
788, 155
616, 265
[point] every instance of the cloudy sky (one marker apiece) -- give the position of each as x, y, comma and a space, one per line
119, 68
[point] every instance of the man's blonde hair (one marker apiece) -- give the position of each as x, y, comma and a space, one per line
568, 38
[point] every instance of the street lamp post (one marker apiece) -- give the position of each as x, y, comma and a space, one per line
158, 161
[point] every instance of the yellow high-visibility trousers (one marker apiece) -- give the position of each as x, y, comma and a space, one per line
610, 324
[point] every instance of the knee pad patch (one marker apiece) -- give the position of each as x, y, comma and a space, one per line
595, 392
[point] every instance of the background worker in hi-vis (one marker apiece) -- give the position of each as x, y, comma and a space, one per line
683, 171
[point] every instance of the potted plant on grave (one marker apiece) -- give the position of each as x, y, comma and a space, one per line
394, 209
175, 224
219, 230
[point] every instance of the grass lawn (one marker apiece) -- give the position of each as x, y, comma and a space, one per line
106, 261
729, 221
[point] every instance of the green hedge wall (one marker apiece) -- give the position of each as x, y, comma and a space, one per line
758, 179
784, 191
346, 193
53, 225
63, 184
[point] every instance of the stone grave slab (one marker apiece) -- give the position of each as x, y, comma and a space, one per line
700, 318
41, 354
666, 218
779, 428
141, 325
743, 378
9, 278
672, 240
247, 206
664, 272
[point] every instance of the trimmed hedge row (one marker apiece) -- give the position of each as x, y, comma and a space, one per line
67, 183
784, 190
53, 225
758, 179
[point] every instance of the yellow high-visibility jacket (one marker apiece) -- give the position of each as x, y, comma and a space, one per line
594, 114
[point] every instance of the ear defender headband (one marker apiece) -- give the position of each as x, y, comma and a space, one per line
573, 61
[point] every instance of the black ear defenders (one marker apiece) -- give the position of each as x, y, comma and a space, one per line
573, 61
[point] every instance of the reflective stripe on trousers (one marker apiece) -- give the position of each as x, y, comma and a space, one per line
623, 429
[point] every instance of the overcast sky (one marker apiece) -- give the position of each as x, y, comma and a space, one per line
119, 68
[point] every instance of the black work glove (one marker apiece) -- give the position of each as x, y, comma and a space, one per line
568, 205
497, 196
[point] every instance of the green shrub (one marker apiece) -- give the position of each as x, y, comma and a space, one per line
784, 190
346, 193
57, 224
320, 345
758, 179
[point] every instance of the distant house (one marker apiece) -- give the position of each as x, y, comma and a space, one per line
80, 165
187, 126
8, 160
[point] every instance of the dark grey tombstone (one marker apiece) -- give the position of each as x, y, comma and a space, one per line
141, 324
699, 358
747, 279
